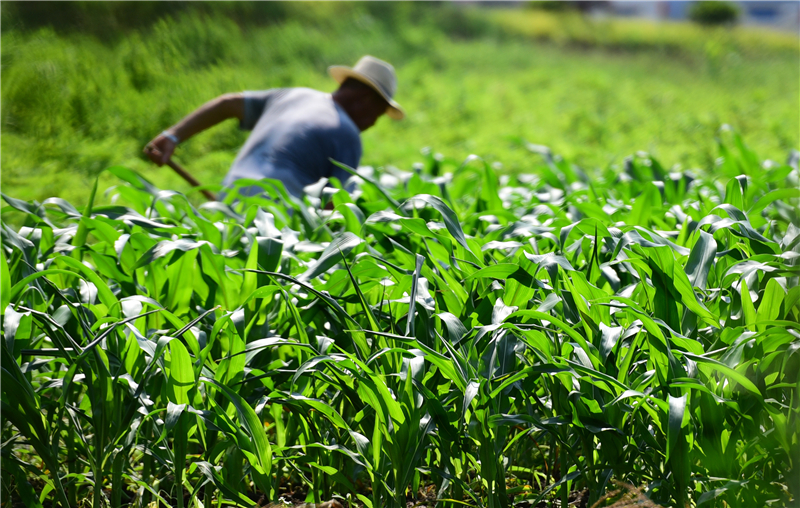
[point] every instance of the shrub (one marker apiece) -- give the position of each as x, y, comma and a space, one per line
714, 13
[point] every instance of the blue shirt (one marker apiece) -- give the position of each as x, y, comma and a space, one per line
294, 133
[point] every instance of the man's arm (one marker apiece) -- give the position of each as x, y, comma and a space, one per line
161, 148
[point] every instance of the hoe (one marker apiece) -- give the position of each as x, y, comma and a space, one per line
189, 178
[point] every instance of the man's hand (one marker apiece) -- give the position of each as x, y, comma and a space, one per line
160, 149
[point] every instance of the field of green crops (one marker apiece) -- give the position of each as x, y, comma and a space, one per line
443, 337
538, 327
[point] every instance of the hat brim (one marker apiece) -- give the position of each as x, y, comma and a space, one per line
340, 73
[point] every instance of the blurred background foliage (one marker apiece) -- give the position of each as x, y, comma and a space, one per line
714, 13
87, 84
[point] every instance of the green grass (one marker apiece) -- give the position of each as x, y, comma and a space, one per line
473, 81
537, 325
487, 342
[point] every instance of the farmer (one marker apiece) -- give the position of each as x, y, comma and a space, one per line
295, 131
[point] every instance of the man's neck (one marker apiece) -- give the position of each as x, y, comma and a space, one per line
344, 102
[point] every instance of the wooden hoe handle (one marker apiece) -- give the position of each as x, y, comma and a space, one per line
150, 149
189, 178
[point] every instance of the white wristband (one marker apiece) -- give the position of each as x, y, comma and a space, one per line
172, 137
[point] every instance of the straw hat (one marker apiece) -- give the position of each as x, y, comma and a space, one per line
376, 73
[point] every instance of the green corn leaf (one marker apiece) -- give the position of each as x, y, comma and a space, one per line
338, 248
562, 326
165, 247
252, 424
322, 407
181, 275
677, 408
748, 309
353, 216
133, 178
524, 373
644, 205
498, 271
781, 428
412, 299
550, 262
770, 306
375, 393
103, 292
364, 499
5, 283
33, 210
726, 371
377, 439
25, 283
416, 226
682, 285
714, 493
701, 259
395, 205
180, 378
769, 198
324, 297
250, 277
451, 221
469, 395
373, 322
80, 236
107, 332
24, 489
269, 253
735, 191
455, 328
212, 474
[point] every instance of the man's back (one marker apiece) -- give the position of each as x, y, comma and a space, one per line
294, 133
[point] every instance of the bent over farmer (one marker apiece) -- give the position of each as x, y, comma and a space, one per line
295, 131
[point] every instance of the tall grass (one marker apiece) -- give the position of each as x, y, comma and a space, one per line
483, 340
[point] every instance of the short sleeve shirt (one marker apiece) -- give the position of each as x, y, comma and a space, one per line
295, 133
